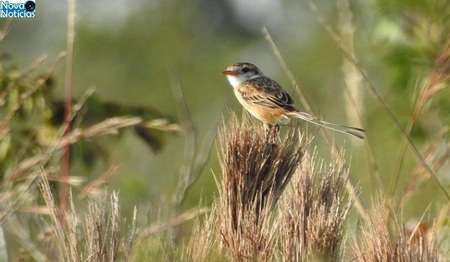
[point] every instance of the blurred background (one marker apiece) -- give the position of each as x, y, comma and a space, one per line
133, 53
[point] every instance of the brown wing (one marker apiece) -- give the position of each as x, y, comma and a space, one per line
266, 92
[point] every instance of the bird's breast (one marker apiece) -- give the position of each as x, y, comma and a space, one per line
268, 115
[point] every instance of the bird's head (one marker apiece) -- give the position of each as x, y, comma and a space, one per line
241, 72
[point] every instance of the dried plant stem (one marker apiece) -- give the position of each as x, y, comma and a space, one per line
378, 98
194, 160
352, 78
108, 126
185, 173
71, 18
6, 27
353, 87
439, 77
195, 157
176, 221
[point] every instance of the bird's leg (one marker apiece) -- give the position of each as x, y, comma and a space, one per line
275, 131
267, 128
272, 132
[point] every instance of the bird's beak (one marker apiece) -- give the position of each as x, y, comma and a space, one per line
229, 73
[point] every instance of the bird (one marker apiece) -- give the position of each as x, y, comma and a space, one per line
266, 100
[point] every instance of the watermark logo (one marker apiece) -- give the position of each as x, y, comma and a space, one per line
17, 8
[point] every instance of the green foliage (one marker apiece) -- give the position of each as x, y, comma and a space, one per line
411, 34
25, 113
32, 117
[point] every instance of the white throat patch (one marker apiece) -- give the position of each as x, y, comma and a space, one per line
235, 81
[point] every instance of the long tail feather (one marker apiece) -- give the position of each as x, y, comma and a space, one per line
354, 131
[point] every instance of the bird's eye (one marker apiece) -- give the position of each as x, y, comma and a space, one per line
245, 70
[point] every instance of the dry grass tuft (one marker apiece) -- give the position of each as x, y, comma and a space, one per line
438, 80
96, 237
204, 242
256, 167
313, 212
385, 239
